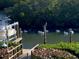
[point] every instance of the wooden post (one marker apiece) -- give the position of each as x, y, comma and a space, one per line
70, 38
20, 32
70, 35
6, 35
17, 30
45, 33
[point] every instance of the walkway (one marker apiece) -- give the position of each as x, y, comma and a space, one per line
27, 53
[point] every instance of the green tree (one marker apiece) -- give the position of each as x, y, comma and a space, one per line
34, 13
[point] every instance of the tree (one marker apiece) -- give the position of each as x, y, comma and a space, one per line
34, 13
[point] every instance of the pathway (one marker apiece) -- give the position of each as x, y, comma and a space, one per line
27, 53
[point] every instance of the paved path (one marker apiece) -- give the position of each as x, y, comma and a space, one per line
26, 54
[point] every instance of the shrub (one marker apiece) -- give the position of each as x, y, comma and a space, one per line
74, 46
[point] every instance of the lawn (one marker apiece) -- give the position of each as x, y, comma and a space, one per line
31, 39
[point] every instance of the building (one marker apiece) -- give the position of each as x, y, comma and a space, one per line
10, 39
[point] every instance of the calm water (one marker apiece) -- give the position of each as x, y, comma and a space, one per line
30, 40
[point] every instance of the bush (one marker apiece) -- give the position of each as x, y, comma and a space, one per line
74, 46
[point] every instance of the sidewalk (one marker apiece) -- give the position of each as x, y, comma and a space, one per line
26, 54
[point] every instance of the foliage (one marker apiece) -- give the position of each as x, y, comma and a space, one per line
57, 52
10, 43
1, 44
7, 3
74, 46
34, 13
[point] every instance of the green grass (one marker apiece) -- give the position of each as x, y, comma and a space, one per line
74, 46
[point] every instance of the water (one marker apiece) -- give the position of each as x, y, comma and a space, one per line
30, 40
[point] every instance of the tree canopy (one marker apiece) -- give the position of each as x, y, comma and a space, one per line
32, 14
